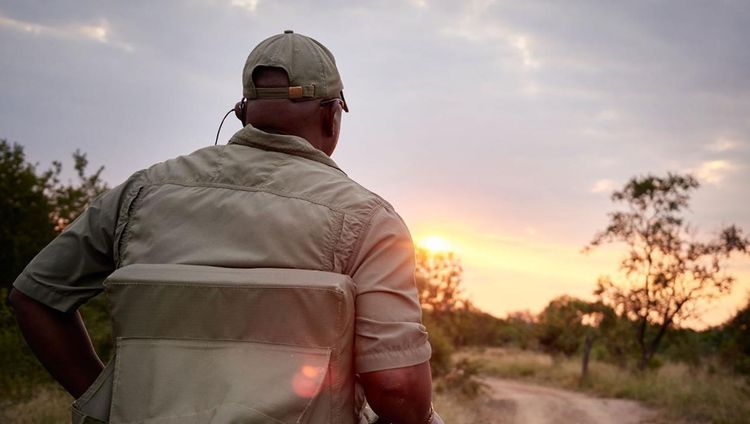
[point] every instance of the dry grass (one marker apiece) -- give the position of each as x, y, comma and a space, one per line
684, 393
49, 404
461, 410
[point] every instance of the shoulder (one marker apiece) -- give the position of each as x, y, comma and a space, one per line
187, 166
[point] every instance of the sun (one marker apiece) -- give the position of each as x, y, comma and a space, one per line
435, 244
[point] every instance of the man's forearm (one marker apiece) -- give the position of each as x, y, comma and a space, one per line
401, 395
60, 342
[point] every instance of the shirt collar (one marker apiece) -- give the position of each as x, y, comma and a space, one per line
284, 143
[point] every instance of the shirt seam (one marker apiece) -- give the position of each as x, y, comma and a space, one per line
390, 352
360, 237
43, 292
262, 189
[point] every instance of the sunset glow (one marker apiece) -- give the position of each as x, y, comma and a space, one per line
436, 244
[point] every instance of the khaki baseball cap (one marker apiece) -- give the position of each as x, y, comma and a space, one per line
310, 66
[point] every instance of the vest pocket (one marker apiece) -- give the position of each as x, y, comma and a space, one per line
201, 381
93, 405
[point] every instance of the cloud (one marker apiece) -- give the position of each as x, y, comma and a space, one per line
474, 26
421, 4
522, 44
100, 32
722, 144
603, 186
713, 171
249, 5
608, 115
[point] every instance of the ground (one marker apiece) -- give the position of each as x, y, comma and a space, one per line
519, 402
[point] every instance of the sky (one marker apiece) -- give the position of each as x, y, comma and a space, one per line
502, 126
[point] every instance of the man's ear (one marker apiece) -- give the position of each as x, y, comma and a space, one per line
330, 121
330, 125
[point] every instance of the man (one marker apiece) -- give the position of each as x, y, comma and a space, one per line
271, 198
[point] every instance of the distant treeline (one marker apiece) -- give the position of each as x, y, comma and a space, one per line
563, 326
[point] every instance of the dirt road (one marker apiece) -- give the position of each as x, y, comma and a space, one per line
524, 403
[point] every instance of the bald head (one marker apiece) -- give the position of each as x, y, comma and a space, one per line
316, 123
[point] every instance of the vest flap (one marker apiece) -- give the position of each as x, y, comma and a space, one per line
287, 306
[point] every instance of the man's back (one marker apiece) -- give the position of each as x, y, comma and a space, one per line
263, 200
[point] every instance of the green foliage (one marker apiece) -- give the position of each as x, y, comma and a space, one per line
442, 348
520, 331
35, 206
96, 316
70, 200
24, 212
616, 338
665, 271
735, 349
560, 327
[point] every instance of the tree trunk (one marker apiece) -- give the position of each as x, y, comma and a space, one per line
642, 328
586, 352
643, 361
649, 349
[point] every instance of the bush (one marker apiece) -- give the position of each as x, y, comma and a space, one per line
442, 349
462, 379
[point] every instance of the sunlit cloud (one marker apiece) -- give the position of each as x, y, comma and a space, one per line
722, 144
249, 5
603, 186
713, 171
421, 4
100, 32
522, 44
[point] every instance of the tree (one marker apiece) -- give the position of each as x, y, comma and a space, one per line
560, 326
666, 272
35, 206
70, 200
439, 276
24, 212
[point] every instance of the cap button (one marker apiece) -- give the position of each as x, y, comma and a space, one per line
288, 31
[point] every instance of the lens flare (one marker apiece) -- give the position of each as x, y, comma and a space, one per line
306, 382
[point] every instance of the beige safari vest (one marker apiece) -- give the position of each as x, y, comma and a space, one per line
197, 344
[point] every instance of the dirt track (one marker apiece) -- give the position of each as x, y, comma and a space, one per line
524, 403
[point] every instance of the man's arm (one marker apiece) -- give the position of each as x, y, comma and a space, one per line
64, 275
60, 342
400, 395
391, 348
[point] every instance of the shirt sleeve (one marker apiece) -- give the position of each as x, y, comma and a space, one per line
388, 329
71, 269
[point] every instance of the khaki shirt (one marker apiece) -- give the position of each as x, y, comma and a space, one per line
262, 201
